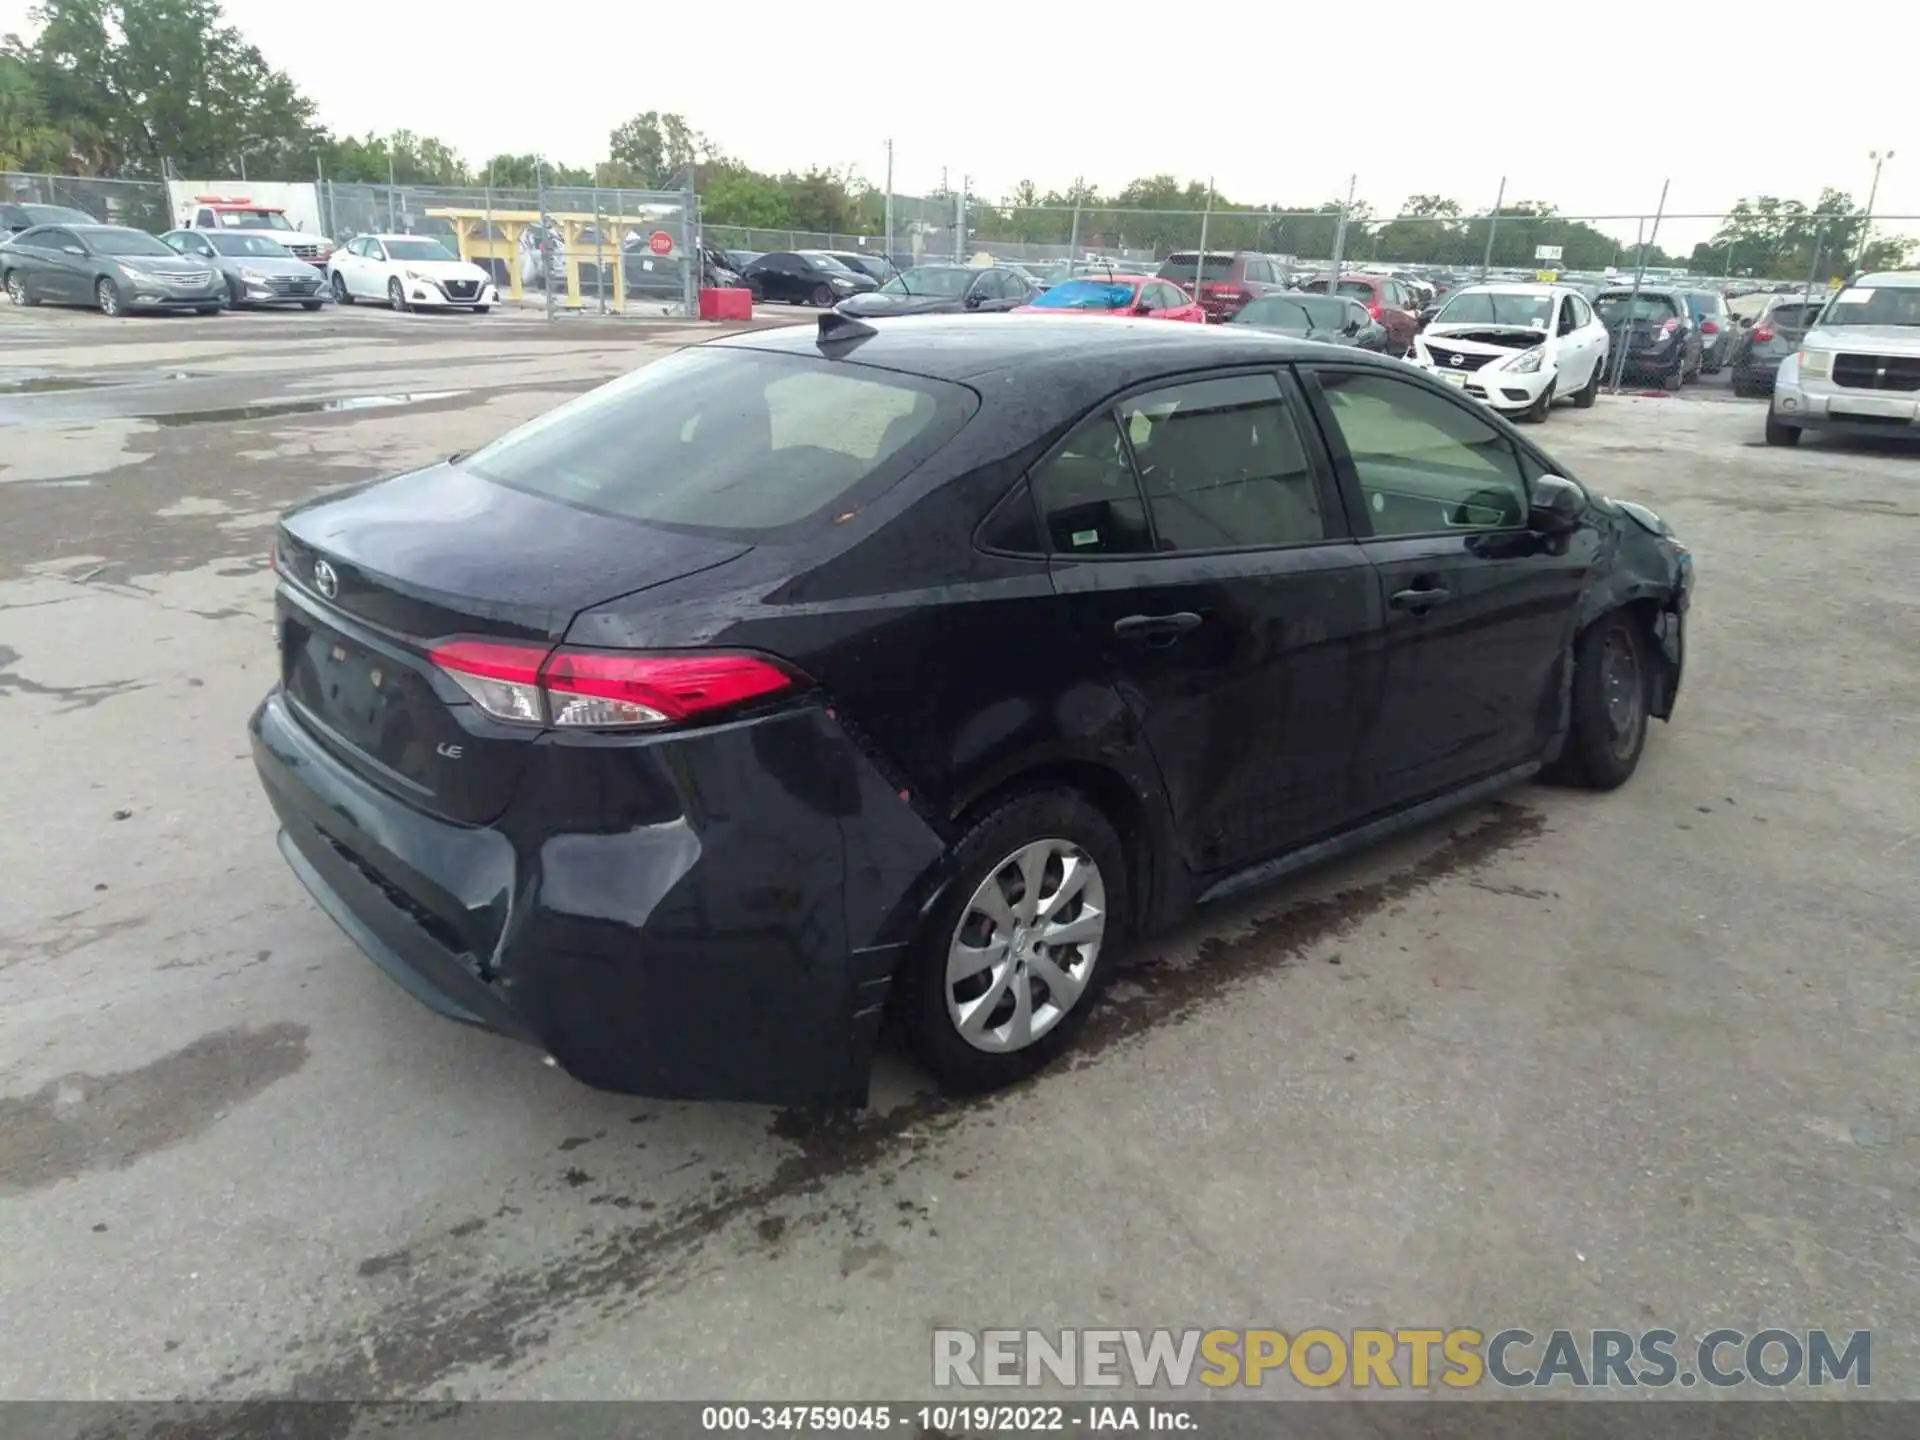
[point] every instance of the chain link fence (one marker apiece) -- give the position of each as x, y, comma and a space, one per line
566, 249
142, 204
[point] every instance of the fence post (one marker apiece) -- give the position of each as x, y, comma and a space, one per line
1813, 271
600, 249
1340, 236
889, 201
546, 236
693, 263
1493, 222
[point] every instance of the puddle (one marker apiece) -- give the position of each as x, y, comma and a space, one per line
51, 384
58, 384
271, 409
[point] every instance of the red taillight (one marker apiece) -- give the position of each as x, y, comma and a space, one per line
603, 689
1709, 327
1763, 333
1373, 308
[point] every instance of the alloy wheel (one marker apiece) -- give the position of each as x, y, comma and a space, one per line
109, 297
16, 290
1624, 692
1025, 946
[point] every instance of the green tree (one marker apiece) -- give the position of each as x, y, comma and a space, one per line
29, 140
655, 149
152, 81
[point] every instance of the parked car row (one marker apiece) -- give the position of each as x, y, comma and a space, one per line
120, 270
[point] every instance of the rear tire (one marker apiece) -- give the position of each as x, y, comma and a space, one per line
1779, 434
1062, 836
1608, 725
1584, 397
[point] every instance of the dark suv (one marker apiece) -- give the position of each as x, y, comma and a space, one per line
1226, 281
1773, 335
1654, 330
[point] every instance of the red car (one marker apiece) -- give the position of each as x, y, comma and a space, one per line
1118, 295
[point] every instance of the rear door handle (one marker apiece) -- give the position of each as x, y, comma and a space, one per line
1134, 627
1419, 599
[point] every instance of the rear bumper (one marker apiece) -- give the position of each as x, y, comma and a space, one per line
716, 914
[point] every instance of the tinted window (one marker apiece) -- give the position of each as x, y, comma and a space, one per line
1013, 526
1794, 314
1182, 263
1274, 310
1222, 465
727, 439
1423, 462
1614, 305
1087, 495
1362, 288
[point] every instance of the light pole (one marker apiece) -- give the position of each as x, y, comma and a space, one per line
1873, 193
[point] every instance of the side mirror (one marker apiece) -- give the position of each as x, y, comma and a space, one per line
1556, 506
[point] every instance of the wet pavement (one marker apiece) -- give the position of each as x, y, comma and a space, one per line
1587, 1061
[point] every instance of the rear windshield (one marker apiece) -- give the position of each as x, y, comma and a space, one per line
1087, 295
1614, 307
1361, 288
1180, 266
1274, 310
1328, 313
730, 440
1795, 314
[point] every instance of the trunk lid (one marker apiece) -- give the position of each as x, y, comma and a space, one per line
373, 578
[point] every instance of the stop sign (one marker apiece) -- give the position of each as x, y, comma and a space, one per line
660, 242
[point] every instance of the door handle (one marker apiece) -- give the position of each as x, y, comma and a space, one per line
1133, 627
1419, 599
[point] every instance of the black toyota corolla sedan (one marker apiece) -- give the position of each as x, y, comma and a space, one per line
819, 674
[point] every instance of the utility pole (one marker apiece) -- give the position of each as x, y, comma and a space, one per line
1873, 193
391, 223
960, 221
1493, 220
1340, 237
889, 200
1200, 260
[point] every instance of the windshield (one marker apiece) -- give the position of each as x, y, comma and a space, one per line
1873, 305
1181, 264
1613, 307
124, 242
1274, 311
252, 220
1087, 295
249, 245
941, 280
58, 215
730, 440
823, 260
414, 247
1486, 307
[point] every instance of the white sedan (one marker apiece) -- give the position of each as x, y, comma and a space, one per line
1517, 348
409, 272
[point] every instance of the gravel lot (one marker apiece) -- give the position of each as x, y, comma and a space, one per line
1635, 1060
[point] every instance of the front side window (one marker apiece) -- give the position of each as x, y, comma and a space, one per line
1223, 466
1423, 462
729, 440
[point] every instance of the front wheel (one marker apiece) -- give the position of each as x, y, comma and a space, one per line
397, 297
107, 296
823, 296
1010, 963
1779, 434
1608, 724
1584, 397
340, 292
1536, 413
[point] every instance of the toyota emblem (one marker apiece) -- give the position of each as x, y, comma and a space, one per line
1454, 361
324, 580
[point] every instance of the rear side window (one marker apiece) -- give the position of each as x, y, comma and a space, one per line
1087, 494
1222, 466
730, 440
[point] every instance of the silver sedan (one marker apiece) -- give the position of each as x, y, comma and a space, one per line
258, 271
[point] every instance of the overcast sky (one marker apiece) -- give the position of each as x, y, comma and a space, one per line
1588, 107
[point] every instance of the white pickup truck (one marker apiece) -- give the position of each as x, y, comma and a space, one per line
241, 216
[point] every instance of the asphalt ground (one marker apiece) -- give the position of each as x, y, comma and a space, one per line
1634, 1060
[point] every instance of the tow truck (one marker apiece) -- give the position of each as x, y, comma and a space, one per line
239, 215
